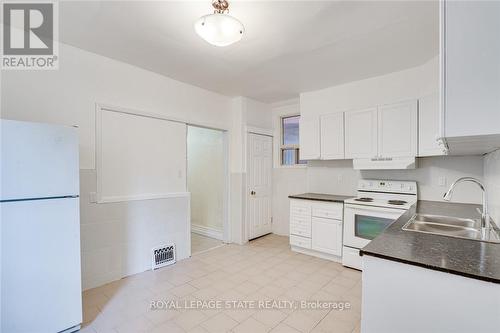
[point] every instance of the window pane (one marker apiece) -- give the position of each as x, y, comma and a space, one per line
291, 130
288, 156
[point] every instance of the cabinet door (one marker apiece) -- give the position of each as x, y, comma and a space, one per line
471, 68
309, 138
332, 136
397, 129
327, 235
429, 143
361, 133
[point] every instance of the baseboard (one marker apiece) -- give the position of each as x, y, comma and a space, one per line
318, 254
206, 231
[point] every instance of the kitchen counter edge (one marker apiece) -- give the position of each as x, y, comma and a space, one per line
320, 197
468, 258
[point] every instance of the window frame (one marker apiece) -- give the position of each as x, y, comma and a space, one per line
283, 146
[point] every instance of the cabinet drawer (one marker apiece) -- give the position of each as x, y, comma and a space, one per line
300, 206
300, 241
300, 229
328, 211
300, 210
299, 219
305, 222
300, 232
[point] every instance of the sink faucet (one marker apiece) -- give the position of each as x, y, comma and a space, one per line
485, 220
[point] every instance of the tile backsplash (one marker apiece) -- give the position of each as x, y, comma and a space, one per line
492, 182
338, 177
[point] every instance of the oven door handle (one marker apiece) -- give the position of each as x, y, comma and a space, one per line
373, 208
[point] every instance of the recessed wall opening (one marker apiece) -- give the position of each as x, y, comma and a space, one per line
206, 181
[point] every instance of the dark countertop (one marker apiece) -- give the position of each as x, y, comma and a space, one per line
469, 258
320, 197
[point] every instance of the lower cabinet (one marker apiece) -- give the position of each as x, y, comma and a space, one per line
299, 241
316, 228
326, 235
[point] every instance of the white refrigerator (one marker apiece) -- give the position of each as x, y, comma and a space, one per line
40, 228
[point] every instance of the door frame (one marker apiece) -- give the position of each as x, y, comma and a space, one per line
226, 226
264, 132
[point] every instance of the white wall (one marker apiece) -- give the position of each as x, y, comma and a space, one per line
492, 183
206, 177
338, 177
68, 96
116, 238
394, 87
246, 113
258, 114
286, 180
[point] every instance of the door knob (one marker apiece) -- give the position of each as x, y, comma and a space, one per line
252, 192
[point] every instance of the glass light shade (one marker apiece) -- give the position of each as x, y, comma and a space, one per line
219, 29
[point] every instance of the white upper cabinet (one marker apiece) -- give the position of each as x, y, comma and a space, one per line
309, 138
429, 142
332, 136
397, 129
361, 133
470, 65
309, 128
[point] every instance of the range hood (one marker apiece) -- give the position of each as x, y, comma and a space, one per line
384, 163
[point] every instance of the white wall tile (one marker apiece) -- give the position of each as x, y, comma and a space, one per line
286, 181
117, 238
338, 177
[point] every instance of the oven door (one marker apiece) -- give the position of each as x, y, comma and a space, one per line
364, 223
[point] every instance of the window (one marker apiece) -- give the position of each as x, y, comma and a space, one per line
289, 150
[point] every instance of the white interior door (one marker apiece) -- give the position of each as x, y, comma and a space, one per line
259, 185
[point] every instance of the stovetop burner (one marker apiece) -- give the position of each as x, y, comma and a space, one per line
364, 199
396, 202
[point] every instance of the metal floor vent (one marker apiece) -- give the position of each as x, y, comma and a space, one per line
163, 256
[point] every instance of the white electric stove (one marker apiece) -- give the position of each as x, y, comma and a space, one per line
377, 205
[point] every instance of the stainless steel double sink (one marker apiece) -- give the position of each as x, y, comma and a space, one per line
451, 227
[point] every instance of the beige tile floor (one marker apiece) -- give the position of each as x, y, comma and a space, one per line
201, 243
262, 270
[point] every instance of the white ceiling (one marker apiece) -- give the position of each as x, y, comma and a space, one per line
288, 47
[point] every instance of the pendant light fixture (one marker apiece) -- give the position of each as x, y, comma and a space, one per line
219, 28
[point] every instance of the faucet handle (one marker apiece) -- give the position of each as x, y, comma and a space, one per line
479, 211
